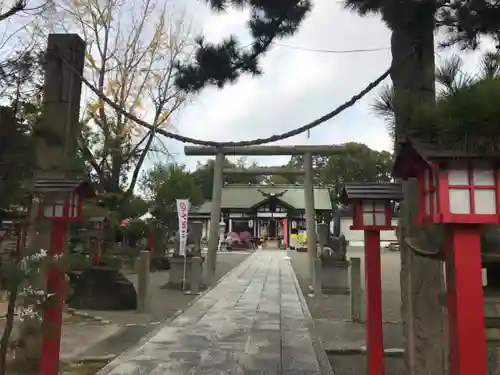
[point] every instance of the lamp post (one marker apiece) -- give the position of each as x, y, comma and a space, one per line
459, 191
60, 203
372, 213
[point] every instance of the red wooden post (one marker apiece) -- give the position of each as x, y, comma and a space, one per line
285, 232
373, 280
97, 255
51, 344
464, 292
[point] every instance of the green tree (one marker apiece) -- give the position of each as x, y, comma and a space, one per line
355, 163
204, 176
165, 183
18, 82
16, 158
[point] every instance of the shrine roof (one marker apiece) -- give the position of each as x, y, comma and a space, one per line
246, 196
369, 190
410, 149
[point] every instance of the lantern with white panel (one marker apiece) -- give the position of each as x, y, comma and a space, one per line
60, 200
460, 192
372, 207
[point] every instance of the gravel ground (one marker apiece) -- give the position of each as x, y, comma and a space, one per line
336, 309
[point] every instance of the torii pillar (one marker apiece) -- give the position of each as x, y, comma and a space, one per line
220, 152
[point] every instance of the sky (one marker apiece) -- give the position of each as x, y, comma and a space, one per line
297, 86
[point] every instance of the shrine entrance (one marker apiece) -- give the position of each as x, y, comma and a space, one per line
272, 228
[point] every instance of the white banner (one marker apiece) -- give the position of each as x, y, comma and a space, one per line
182, 214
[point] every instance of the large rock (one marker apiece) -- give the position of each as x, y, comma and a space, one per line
103, 289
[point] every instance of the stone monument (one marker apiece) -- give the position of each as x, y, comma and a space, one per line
334, 265
193, 249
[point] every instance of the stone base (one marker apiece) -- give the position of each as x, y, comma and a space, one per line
492, 323
335, 276
176, 272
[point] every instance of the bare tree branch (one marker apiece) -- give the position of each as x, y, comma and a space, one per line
132, 49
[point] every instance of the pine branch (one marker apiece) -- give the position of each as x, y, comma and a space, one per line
219, 64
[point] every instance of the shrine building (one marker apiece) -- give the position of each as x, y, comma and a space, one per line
261, 209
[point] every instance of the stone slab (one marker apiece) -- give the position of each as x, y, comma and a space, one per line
255, 321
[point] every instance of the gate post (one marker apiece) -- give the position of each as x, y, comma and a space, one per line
213, 237
310, 213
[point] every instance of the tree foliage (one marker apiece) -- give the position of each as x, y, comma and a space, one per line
355, 163
16, 158
204, 176
465, 116
165, 183
18, 84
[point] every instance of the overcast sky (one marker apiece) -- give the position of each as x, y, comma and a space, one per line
298, 86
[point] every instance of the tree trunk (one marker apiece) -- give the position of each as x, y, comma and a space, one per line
421, 278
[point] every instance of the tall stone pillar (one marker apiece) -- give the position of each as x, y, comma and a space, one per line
56, 142
58, 132
213, 237
310, 214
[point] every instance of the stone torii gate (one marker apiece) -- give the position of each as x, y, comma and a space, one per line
220, 153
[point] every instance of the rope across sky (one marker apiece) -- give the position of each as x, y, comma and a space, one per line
254, 142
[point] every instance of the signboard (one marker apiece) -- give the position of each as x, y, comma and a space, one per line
182, 214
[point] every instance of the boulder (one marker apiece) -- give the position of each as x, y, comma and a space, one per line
100, 288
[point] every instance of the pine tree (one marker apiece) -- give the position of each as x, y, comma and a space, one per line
218, 64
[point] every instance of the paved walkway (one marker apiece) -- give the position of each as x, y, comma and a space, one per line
255, 321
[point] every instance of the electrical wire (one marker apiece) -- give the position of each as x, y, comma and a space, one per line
330, 50
254, 142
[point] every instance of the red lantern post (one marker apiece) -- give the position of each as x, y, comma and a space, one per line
372, 212
461, 192
59, 202
284, 222
98, 228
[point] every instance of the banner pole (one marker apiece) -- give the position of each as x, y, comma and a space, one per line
184, 276
182, 213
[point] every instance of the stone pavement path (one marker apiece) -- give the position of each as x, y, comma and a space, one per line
255, 321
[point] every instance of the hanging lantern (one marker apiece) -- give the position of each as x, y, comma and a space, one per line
250, 223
